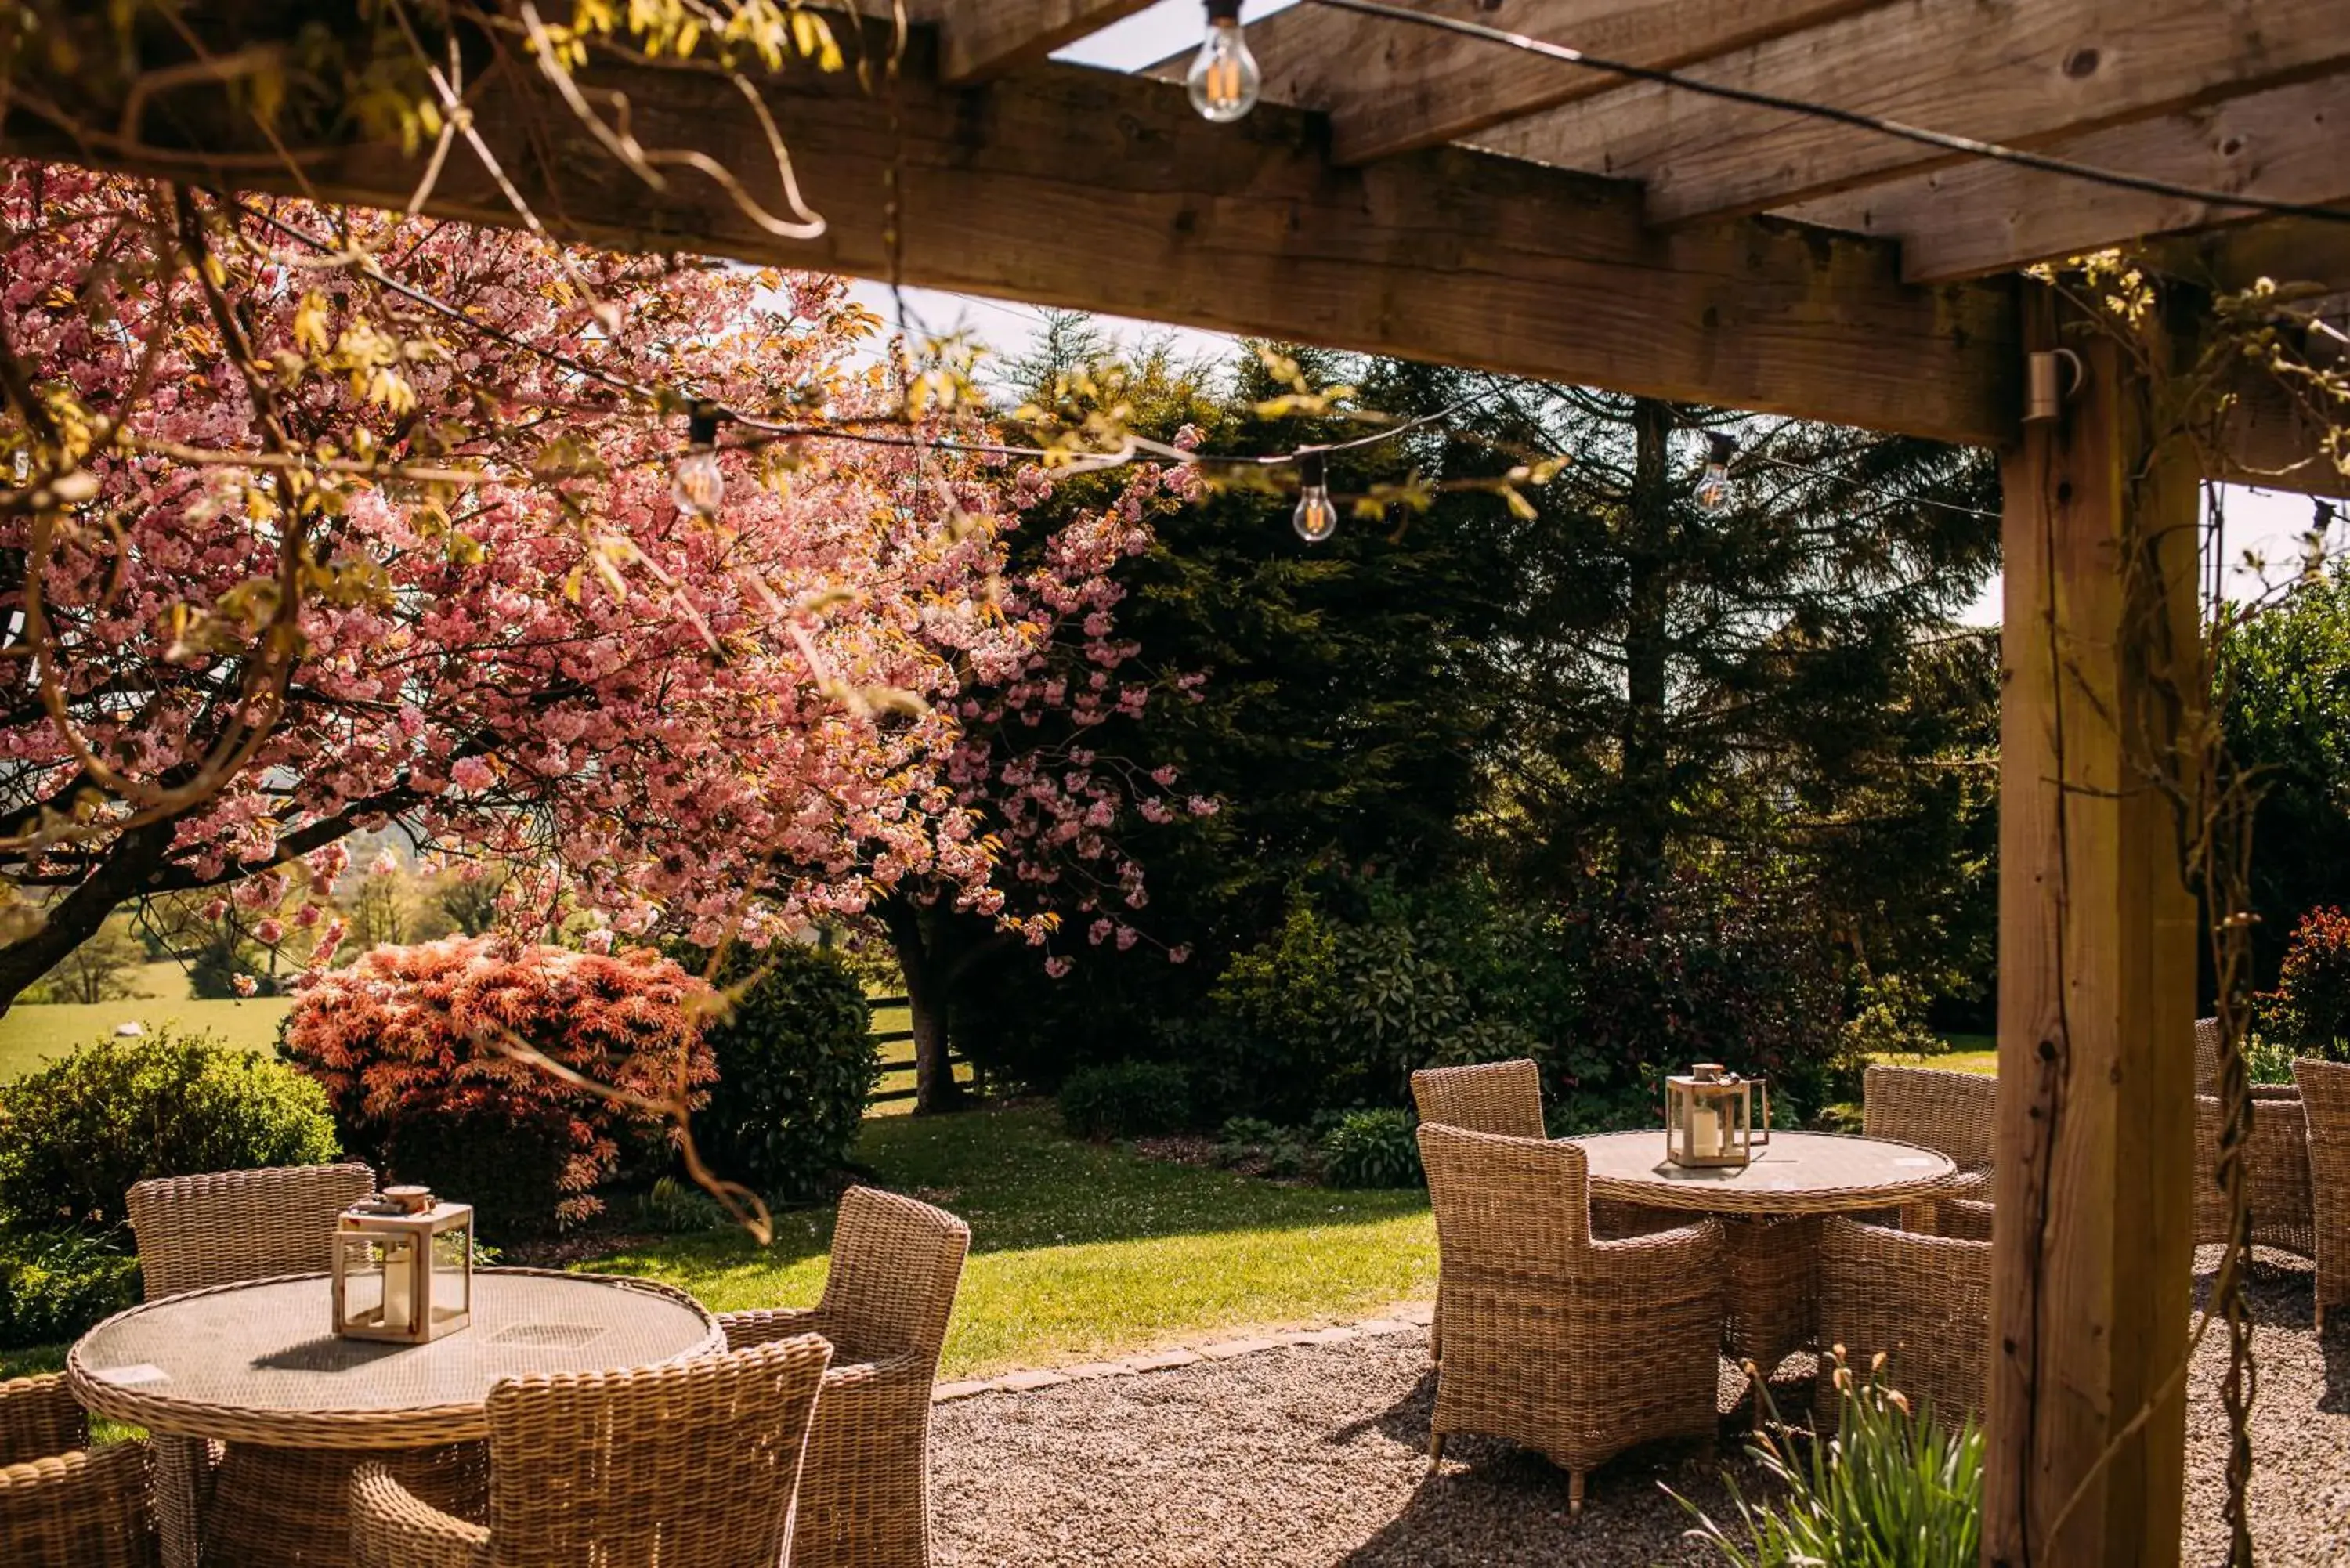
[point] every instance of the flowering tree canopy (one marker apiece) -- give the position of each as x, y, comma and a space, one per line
333, 519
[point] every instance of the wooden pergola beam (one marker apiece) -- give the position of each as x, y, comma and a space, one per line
1390, 87
1079, 188
2020, 73
1971, 219
984, 38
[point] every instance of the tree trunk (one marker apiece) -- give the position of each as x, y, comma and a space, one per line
1646, 783
75, 919
917, 936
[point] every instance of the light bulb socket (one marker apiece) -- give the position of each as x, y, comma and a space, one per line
702, 425
1313, 473
1223, 10
1720, 448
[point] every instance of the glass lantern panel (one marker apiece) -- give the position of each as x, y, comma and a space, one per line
452, 1276
362, 1281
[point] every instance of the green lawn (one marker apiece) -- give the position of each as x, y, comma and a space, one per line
1968, 1054
31, 1032
1079, 1251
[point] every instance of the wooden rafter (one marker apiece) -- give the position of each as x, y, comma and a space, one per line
984, 38
2284, 144
2023, 73
1080, 188
1391, 88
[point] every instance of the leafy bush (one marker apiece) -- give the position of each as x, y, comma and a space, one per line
1729, 964
1372, 1148
1255, 1147
2310, 1008
1896, 1486
1340, 1009
1125, 1099
679, 1208
797, 1065
415, 1048
56, 1283
75, 1134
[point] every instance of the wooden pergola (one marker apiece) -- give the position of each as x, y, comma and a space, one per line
1411, 193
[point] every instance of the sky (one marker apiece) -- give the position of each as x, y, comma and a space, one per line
2268, 523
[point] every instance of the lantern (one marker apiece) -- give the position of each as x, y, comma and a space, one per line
404, 1267
1709, 1118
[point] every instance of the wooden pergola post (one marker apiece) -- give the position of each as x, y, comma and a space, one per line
2094, 1253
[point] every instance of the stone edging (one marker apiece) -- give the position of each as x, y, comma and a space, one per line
1404, 1320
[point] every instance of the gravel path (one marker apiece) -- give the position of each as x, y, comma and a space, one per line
1316, 1457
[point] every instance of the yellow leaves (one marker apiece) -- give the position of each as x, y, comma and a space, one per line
313, 329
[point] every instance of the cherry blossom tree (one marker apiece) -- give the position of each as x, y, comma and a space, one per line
344, 519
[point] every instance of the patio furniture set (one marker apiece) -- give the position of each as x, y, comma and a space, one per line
1587, 1288
573, 1418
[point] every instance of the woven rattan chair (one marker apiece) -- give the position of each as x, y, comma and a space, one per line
1954, 1113
1578, 1347
691, 1462
222, 1228
1922, 1301
196, 1232
2278, 1162
1505, 1098
2207, 1055
865, 1499
64, 1504
2325, 1092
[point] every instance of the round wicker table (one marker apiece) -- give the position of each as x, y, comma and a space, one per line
256, 1366
1772, 1210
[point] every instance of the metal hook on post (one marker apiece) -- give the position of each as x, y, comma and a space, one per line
2044, 392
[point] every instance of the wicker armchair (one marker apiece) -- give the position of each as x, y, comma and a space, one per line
1923, 1301
2278, 1161
686, 1462
1505, 1098
218, 1228
865, 1499
2325, 1091
1578, 1347
64, 1504
1953, 1113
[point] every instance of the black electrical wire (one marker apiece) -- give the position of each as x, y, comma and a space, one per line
1945, 141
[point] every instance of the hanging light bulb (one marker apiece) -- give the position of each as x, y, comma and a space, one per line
1713, 490
1224, 80
1316, 518
699, 484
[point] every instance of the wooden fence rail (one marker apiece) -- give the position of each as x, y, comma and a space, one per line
885, 1037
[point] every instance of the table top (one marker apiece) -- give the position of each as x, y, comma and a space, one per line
1797, 1173
260, 1361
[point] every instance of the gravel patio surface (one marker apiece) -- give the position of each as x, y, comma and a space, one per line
1316, 1457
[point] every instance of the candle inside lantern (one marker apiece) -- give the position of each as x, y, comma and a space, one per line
399, 1284
1705, 1133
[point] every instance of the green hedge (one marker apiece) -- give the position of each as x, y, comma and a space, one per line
797, 1065
76, 1134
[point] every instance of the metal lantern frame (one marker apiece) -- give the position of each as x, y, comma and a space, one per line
413, 1252
1710, 1118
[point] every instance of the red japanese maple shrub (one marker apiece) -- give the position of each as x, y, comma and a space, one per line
412, 1045
2309, 1009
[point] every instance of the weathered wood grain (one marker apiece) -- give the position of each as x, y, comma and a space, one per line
2019, 71
1391, 88
1970, 219
2092, 1255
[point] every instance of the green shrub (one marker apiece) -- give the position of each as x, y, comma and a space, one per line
1255, 1147
1898, 1486
75, 1134
678, 1207
54, 1284
1125, 1099
1372, 1148
797, 1065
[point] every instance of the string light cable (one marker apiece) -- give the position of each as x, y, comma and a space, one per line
1945, 141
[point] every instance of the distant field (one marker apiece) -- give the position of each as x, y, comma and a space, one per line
1968, 1054
32, 1033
